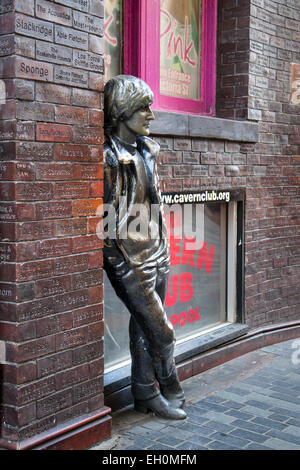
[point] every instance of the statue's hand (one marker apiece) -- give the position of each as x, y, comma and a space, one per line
125, 159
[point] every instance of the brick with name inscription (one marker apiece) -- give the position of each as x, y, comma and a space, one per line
55, 363
54, 53
88, 171
72, 338
86, 98
69, 264
34, 151
54, 210
34, 270
71, 300
89, 23
25, 130
31, 350
53, 132
86, 243
33, 191
53, 248
72, 190
71, 37
52, 404
34, 28
70, 76
88, 352
53, 93
88, 135
53, 12
70, 152
71, 115
33, 70
87, 389
24, 89
88, 61
35, 111
35, 230
87, 279
54, 171
70, 377
24, 46
86, 207
53, 286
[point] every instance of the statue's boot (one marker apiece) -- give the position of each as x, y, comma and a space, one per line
171, 389
159, 406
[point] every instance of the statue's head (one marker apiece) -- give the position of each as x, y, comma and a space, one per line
123, 96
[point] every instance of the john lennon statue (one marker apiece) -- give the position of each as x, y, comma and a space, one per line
137, 264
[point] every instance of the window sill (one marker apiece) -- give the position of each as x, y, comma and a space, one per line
185, 125
120, 378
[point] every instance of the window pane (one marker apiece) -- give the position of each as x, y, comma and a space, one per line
113, 38
180, 48
196, 296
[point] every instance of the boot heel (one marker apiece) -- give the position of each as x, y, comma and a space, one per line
140, 407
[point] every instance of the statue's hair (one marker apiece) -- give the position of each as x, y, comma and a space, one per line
123, 95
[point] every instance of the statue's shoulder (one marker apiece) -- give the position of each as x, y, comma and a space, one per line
109, 156
148, 144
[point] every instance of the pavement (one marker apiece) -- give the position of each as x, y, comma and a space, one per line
249, 403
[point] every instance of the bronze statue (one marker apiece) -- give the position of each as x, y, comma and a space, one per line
137, 263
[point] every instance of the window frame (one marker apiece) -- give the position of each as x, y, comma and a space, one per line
142, 50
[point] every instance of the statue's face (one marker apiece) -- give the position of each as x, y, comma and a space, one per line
139, 122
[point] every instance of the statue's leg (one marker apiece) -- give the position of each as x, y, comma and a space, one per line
137, 289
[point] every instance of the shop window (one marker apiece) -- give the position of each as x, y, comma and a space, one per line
171, 44
202, 287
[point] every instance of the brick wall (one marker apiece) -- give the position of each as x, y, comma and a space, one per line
51, 136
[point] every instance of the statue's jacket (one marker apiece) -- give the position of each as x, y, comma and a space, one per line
130, 183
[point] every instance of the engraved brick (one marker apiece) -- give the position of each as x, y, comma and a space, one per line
30, 350
71, 152
88, 135
69, 264
88, 61
24, 7
33, 70
70, 76
33, 27
72, 190
54, 171
55, 363
71, 300
35, 230
70, 377
87, 279
89, 23
86, 243
25, 130
71, 115
53, 248
19, 417
54, 210
7, 130
38, 427
7, 45
71, 37
88, 171
35, 111
54, 53
54, 403
24, 46
33, 191
24, 89
96, 81
34, 151
54, 324
33, 270
87, 315
86, 98
86, 207
53, 93
53, 132
96, 117
87, 389
53, 12
71, 339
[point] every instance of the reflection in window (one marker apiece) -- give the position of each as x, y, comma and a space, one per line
180, 48
113, 34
